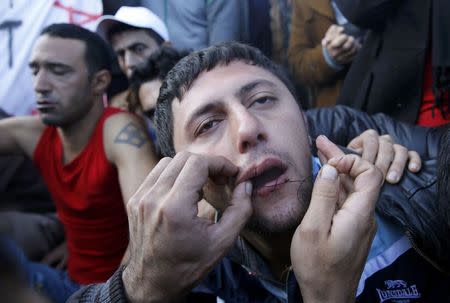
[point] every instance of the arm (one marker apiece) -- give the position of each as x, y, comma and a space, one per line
19, 135
129, 148
305, 57
342, 124
368, 14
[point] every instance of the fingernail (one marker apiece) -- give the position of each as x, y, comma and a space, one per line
413, 166
392, 176
329, 172
248, 188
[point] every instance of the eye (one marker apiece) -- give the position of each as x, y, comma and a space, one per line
206, 126
140, 48
263, 100
34, 71
120, 54
59, 71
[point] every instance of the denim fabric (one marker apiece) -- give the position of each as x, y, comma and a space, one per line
52, 283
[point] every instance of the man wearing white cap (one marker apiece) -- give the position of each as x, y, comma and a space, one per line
134, 33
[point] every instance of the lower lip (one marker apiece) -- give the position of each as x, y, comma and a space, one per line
271, 186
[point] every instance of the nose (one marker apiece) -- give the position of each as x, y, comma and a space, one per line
41, 82
250, 131
131, 61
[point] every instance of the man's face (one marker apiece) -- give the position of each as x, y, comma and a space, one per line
60, 79
247, 115
148, 95
132, 48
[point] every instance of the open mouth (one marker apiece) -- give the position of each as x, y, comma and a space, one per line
267, 176
268, 179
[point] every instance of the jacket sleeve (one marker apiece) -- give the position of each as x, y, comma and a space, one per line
368, 14
305, 58
112, 291
223, 20
341, 124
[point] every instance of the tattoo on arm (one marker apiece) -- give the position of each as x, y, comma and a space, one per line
132, 135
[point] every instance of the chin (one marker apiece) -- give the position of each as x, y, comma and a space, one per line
49, 120
279, 214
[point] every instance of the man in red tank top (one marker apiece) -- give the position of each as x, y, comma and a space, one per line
92, 159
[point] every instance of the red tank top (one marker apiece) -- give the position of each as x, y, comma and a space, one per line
427, 116
89, 203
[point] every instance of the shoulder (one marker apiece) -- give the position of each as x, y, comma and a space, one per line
122, 122
125, 133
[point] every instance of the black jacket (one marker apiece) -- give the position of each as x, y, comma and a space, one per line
413, 203
387, 74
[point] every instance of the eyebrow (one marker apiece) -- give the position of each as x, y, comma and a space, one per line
130, 46
34, 64
247, 88
240, 94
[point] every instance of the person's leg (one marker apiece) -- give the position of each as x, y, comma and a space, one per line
35, 234
51, 283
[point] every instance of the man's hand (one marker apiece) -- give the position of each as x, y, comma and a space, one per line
330, 246
389, 157
171, 247
57, 258
341, 47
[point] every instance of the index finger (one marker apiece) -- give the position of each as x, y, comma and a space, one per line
327, 149
198, 169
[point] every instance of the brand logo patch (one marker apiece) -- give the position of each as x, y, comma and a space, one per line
398, 290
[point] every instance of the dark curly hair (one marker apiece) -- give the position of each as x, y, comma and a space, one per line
156, 67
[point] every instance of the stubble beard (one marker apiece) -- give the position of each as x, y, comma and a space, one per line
285, 221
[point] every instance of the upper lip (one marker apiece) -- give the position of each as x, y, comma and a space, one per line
44, 101
260, 167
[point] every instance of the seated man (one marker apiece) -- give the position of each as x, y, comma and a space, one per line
238, 139
134, 34
92, 159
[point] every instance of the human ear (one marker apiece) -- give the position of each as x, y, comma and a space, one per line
100, 82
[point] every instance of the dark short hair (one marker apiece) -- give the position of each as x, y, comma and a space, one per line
181, 77
122, 27
156, 67
98, 54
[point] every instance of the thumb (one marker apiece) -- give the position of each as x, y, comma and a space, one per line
324, 199
235, 215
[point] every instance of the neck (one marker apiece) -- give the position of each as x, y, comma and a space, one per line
274, 249
74, 137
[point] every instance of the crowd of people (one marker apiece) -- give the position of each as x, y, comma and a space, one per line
172, 160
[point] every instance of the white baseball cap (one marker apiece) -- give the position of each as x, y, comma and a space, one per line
140, 17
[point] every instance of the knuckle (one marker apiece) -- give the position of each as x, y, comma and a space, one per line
165, 160
400, 148
196, 161
386, 138
371, 132
376, 174
182, 155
